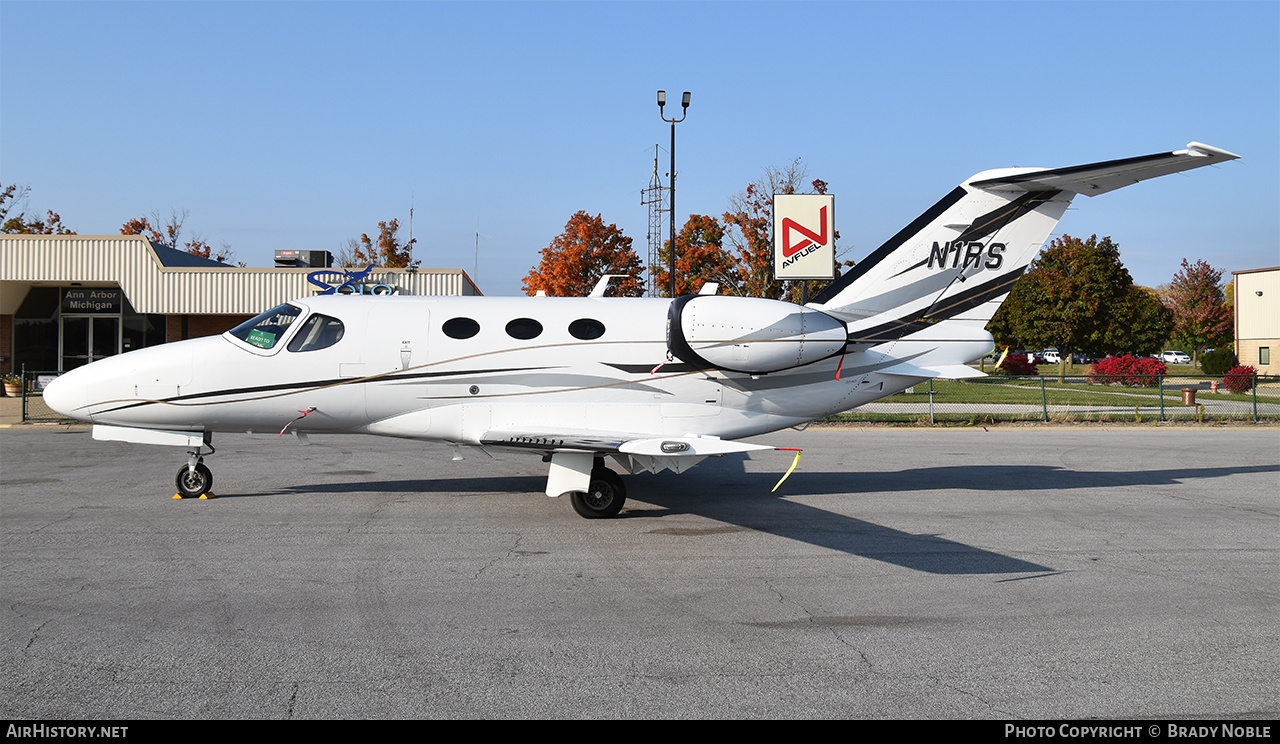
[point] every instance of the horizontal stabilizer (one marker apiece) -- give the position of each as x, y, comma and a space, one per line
946, 372
1099, 178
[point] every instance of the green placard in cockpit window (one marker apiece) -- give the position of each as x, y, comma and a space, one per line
261, 339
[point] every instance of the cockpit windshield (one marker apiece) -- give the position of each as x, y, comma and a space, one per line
268, 328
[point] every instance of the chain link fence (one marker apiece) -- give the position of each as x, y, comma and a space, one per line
1077, 398
33, 406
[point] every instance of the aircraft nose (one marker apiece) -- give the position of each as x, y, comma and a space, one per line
66, 395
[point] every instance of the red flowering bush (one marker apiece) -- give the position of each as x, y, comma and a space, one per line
1239, 379
1017, 364
1127, 370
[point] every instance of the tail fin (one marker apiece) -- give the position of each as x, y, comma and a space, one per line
959, 260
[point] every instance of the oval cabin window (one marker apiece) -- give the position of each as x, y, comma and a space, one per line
460, 328
524, 328
586, 329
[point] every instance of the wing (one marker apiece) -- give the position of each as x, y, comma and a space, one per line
572, 453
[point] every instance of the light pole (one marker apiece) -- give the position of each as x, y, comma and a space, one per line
684, 104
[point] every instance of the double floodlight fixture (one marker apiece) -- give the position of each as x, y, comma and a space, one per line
662, 102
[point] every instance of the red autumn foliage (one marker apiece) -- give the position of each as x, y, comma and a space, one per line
579, 256
1017, 365
1239, 379
1127, 370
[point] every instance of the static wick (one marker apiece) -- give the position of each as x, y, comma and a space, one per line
291, 423
791, 469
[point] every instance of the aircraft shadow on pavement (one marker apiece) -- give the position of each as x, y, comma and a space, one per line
723, 491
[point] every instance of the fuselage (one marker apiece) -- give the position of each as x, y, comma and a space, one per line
455, 368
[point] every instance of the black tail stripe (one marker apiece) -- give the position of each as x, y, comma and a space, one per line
932, 213
955, 305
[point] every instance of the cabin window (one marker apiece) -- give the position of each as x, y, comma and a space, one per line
268, 328
460, 328
318, 332
586, 329
524, 328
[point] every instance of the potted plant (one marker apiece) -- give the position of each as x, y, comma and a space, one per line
12, 385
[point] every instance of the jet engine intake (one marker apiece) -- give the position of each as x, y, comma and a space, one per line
750, 334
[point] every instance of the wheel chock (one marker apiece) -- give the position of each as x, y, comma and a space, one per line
202, 497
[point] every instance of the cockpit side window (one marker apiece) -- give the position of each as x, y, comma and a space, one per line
267, 329
317, 332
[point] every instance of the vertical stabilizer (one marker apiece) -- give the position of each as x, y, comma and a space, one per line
959, 260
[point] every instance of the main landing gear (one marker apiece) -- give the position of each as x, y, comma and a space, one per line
604, 497
194, 479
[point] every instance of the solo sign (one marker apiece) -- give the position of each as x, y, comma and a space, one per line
348, 282
804, 236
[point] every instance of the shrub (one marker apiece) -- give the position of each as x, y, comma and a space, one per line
1017, 364
1127, 370
1239, 379
1217, 362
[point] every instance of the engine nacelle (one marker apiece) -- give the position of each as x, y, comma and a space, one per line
749, 334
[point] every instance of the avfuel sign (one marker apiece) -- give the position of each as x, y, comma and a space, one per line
804, 236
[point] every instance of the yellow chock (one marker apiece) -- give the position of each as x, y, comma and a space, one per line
177, 495
207, 496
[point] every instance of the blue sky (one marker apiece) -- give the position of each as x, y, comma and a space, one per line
304, 124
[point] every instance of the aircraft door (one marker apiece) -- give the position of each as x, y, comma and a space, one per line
396, 359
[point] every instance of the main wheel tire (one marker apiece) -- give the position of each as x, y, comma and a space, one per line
604, 499
194, 483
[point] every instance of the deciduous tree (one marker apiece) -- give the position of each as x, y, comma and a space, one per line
169, 233
1078, 296
23, 224
749, 228
577, 258
388, 252
1201, 315
700, 258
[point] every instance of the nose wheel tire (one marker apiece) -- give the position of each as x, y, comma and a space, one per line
604, 498
192, 483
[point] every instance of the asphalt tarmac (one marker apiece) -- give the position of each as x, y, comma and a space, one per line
1022, 573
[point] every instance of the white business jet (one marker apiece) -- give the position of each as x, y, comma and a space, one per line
652, 384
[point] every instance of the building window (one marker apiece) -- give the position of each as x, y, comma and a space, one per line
1264, 355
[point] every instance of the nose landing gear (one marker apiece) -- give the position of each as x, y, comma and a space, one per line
194, 479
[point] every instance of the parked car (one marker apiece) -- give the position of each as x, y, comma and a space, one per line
1175, 357
1051, 356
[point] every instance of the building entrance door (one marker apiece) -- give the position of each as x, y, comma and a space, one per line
87, 338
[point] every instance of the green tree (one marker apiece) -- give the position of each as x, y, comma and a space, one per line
1139, 322
577, 258
1201, 315
1078, 296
